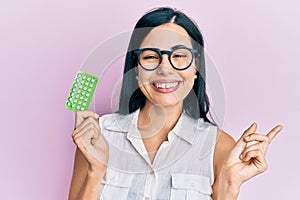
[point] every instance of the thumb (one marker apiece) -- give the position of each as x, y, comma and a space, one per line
252, 129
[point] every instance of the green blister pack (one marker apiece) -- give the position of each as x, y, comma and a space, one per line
82, 91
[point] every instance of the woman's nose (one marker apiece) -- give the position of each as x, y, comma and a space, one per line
165, 66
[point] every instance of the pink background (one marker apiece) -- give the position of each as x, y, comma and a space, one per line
254, 44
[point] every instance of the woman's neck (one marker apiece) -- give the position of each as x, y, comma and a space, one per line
155, 120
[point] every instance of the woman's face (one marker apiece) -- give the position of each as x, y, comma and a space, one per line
166, 86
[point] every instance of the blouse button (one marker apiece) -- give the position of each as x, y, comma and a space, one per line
151, 172
112, 179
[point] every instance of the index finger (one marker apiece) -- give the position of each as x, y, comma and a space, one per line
274, 132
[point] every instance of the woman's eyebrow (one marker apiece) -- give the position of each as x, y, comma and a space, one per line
178, 46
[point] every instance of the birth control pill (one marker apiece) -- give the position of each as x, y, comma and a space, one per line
82, 91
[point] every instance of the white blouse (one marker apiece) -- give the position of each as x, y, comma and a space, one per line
182, 167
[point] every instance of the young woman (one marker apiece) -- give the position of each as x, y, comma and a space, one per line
161, 144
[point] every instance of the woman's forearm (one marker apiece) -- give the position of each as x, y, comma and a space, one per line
91, 187
228, 191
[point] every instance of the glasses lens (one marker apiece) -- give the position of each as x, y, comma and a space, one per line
149, 59
181, 58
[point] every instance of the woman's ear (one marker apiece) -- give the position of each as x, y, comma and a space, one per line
195, 69
196, 72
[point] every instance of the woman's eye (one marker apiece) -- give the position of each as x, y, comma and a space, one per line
150, 57
179, 56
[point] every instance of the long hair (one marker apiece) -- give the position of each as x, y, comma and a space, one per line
196, 104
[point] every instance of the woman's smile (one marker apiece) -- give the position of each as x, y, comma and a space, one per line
165, 86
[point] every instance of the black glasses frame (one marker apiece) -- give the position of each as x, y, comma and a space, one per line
169, 53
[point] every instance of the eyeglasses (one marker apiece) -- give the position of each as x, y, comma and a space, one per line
180, 57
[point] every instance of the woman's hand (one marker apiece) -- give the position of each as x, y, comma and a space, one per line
246, 161
87, 136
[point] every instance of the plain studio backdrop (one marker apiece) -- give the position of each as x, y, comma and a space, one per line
253, 44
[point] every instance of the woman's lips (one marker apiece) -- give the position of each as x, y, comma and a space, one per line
165, 86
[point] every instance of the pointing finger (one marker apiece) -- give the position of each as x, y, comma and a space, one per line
274, 132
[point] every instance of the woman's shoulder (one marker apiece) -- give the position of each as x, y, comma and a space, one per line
225, 141
107, 116
116, 121
115, 116
224, 144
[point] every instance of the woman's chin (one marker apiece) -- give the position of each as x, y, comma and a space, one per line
168, 102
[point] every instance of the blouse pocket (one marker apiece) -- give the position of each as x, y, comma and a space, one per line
190, 187
116, 185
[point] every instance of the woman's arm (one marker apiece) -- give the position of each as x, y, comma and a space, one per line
90, 158
79, 174
85, 183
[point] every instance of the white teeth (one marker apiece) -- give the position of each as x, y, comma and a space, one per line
166, 85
